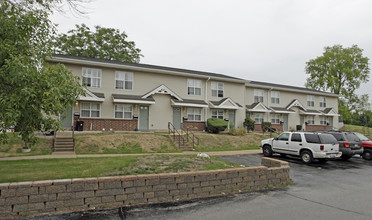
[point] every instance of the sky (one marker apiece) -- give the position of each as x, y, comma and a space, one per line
260, 40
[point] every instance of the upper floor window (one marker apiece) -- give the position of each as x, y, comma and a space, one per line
124, 80
310, 100
310, 119
92, 77
322, 102
90, 110
275, 119
217, 89
194, 114
123, 111
258, 95
193, 87
217, 113
258, 118
275, 97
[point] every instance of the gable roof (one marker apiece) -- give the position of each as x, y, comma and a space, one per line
296, 103
281, 110
258, 107
224, 104
162, 89
92, 96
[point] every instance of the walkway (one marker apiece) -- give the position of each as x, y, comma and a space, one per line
73, 155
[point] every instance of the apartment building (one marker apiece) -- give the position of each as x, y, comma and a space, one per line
124, 96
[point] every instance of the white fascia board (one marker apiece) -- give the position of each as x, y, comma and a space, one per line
310, 113
283, 112
135, 68
226, 107
166, 89
83, 98
189, 105
253, 110
132, 101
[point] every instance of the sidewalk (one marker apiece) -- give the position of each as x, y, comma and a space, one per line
73, 155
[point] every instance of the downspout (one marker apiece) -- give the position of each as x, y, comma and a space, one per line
206, 100
268, 98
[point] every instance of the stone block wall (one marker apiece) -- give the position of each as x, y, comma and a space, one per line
193, 125
51, 196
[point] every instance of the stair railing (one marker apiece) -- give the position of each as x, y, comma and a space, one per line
73, 138
173, 130
194, 139
269, 129
54, 140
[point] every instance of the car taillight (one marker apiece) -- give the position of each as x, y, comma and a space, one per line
347, 145
321, 147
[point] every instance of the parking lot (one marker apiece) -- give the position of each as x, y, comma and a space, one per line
335, 190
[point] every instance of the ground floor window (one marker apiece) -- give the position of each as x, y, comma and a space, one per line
258, 118
123, 111
323, 120
90, 110
216, 113
194, 114
275, 118
310, 119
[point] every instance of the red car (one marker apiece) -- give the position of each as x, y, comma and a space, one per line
367, 146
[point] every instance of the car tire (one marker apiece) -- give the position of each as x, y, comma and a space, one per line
306, 157
267, 151
322, 160
283, 155
345, 157
367, 154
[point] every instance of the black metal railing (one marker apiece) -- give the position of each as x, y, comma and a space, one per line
175, 135
269, 129
191, 136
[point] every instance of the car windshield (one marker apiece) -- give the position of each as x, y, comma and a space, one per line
362, 137
327, 139
352, 137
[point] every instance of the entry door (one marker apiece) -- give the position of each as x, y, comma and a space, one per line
144, 118
177, 118
232, 116
67, 122
285, 122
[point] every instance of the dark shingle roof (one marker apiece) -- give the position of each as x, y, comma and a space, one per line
281, 109
132, 97
190, 101
99, 95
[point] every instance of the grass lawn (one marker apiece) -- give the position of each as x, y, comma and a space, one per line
360, 129
33, 170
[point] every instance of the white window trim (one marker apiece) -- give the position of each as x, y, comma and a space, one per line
214, 86
310, 99
322, 103
259, 121
194, 86
217, 111
310, 119
323, 120
259, 93
193, 113
125, 73
276, 119
131, 112
275, 95
90, 109
100, 77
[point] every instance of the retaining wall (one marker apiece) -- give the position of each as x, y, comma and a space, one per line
50, 196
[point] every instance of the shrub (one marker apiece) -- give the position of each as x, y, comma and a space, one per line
216, 125
249, 124
298, 127
266, 126
237, 132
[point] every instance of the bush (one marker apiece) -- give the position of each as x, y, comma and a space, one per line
298, 127
266, 126
216, 125
249, 124
237, 132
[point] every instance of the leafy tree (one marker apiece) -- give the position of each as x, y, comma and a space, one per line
32, 92
340, 71
249, 124
104, 43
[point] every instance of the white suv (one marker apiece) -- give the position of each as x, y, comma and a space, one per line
307, 145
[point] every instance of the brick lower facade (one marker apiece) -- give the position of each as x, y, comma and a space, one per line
51, 196
316, 127
97, 124
193, 125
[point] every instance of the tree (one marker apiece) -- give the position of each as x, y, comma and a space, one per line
340, 71
104, 43
249, 124
32, 93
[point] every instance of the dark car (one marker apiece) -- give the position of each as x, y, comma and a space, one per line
350, 144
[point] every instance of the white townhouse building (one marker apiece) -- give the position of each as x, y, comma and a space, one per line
123, 96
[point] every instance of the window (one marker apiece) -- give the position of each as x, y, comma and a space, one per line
310, 120
296, 138
92, 77
258, 95
90, 110
123, 111
275, 118
193, 87
322, 102
217, 89
283, 137
217, 113
275, 97
124, 80
194, 114
312, 138
323, 120
310, 100
258, 118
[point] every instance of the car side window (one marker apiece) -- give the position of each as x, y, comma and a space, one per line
339, 137
283, 137
312, 138
296, 138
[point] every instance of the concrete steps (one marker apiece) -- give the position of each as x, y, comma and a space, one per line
63, 144
181, 142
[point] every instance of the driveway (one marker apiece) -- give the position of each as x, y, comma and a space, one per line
335, 190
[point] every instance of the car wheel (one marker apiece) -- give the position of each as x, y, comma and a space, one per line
322, 160
283, 155
367, 154
306, 157
267, 152
345, 157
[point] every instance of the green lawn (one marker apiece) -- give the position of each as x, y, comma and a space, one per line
50, 169
360, 129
